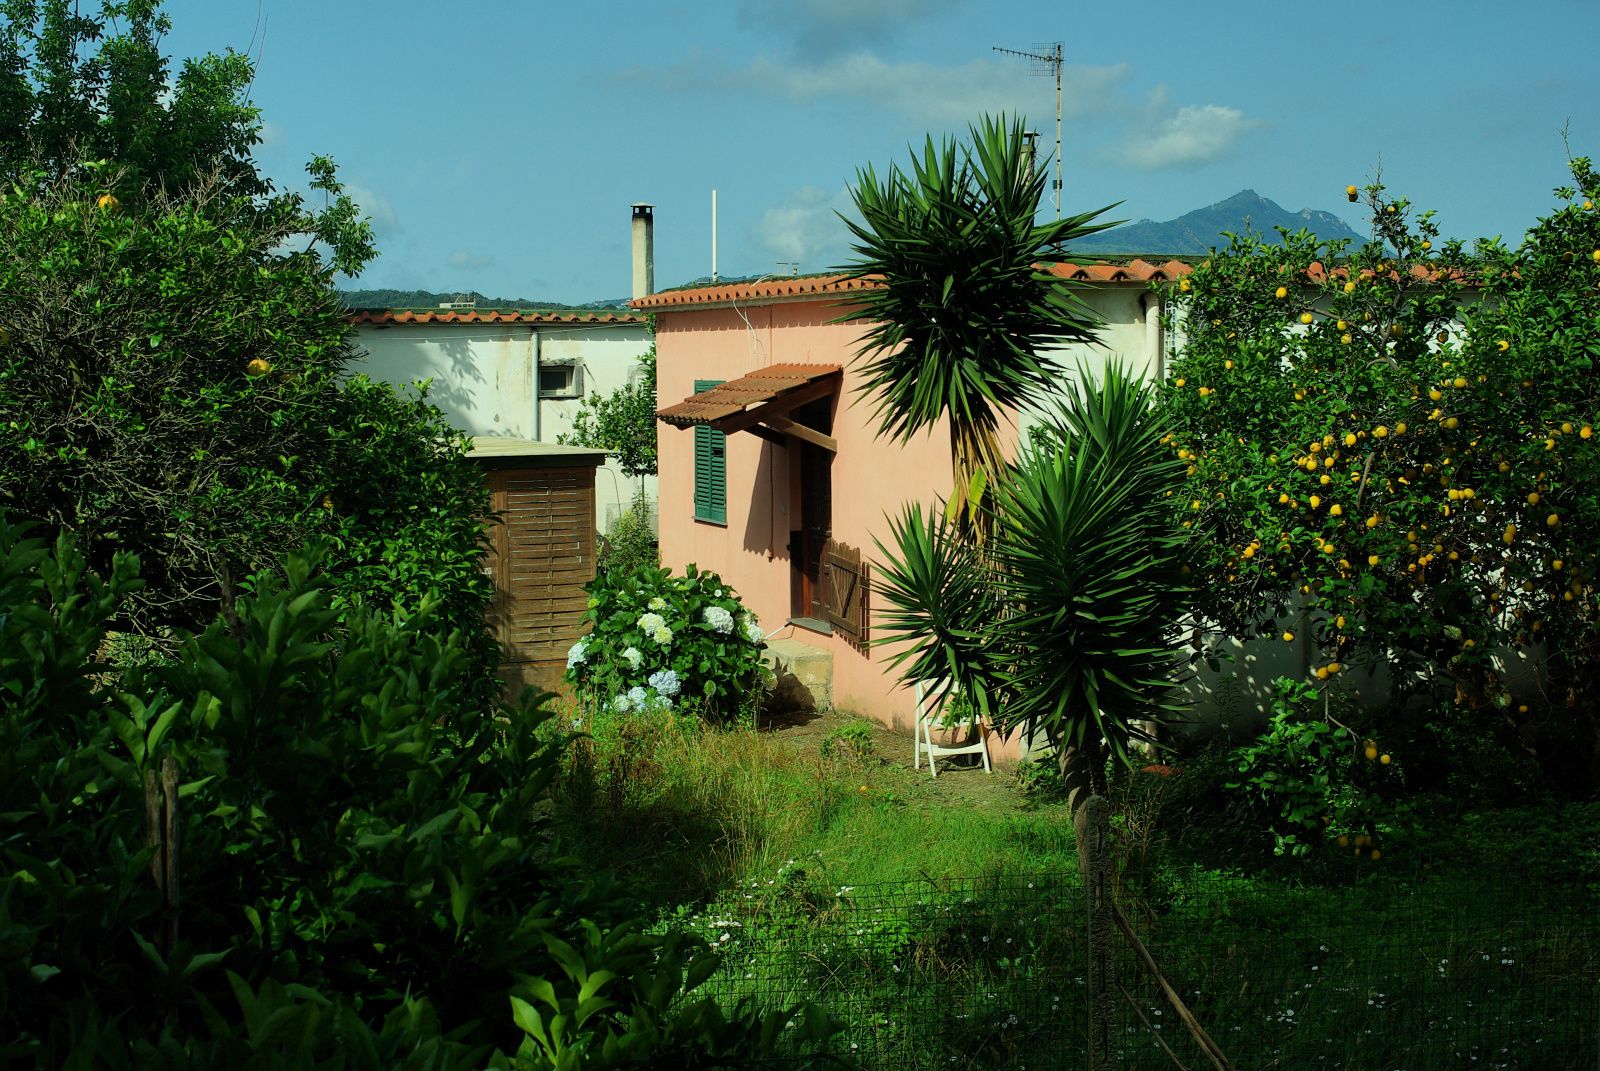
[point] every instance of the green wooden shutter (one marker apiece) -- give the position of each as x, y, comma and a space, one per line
710, 467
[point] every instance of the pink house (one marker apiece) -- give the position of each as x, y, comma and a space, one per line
770, 468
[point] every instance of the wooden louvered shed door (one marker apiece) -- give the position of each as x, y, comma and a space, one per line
543, 555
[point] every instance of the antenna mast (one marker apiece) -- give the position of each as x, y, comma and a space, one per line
1046, 59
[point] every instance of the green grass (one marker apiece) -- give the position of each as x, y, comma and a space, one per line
942, 921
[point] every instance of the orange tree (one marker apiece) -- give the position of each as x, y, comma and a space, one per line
1397, 442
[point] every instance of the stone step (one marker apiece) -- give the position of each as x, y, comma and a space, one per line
804, 674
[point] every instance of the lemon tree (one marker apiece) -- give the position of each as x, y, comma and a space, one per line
1398, 440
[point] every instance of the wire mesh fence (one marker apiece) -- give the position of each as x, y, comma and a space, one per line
992, 974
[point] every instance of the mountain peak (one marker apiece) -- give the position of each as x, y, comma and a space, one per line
1198, 232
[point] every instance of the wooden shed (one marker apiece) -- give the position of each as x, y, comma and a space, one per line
541, 552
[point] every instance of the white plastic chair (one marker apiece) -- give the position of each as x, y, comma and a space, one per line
929, 717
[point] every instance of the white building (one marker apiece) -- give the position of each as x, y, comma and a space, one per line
515, 374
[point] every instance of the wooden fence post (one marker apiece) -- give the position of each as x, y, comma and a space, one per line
1097, 874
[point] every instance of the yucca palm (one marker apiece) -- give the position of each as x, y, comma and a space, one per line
1061, 626
959, 326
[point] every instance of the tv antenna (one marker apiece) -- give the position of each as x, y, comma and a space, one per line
1046, 59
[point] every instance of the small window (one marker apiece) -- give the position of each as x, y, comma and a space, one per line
560, 381
710, 468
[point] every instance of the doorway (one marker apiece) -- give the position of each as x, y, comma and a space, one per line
811, 469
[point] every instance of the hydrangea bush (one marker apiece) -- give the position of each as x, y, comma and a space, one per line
659, 641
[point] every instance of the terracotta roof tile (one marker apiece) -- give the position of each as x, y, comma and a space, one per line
799, 287
788, 286
736, 395
490, 316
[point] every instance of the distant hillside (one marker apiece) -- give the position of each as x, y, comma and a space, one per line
428, 299
1200, 231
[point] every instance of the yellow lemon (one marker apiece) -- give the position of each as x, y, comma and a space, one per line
1335, 510
1554, 520
1288, 637
1533, 498
1281, 292
1183, 285
257, 367
107, 202
1306, 317
1380, 432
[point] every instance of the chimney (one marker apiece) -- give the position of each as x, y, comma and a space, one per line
644, 250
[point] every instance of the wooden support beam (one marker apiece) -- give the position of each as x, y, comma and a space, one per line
761, 431
803, 433
783, 403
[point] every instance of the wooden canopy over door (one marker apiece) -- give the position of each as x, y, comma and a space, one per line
541, 554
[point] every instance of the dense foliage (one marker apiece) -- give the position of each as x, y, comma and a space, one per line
658, 641
623, 422
1399, 440
296, 842
171, 348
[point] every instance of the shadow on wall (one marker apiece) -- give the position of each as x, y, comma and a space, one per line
456, 391
766, 527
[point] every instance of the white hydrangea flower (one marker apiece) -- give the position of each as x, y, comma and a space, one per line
658, 603
575, 654
752, 628
649, 623
719, 619
662, 635
633, 656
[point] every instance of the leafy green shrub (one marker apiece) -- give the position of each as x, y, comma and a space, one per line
657, 641
294, 840
630, 544
851, 742
1315, 777
172, 348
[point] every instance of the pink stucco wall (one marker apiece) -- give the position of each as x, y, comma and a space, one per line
872, 479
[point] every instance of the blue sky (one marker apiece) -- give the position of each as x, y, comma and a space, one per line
498, 145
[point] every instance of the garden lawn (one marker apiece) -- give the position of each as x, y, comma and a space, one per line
943, 918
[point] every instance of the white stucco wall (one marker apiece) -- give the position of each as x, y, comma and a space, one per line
485, 379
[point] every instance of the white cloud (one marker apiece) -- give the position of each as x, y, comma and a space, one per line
805, 229
463, 258
921, 91
1185, 138
375, 206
